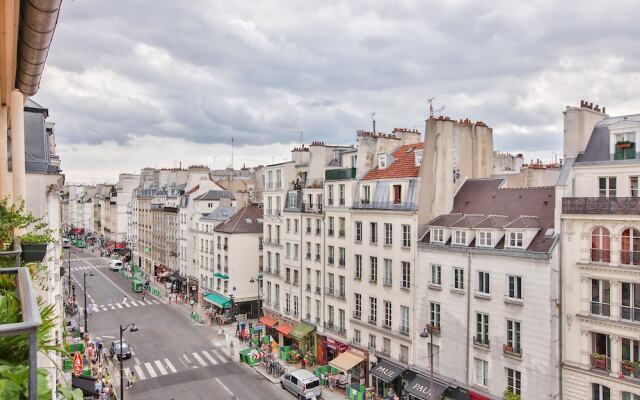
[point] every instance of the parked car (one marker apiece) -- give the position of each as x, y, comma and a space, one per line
116, 265
302, 383
66, 243
114, 349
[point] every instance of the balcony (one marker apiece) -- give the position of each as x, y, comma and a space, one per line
386, 325
329, 326
340, 174
341, 331
311, 209
341, 296
630, 369
481, 341
512, 350
330, 291
601, 205
385, 205
630, 313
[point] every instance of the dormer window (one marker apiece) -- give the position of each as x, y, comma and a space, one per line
437, 235
382, 161
418, 158
516, 239
397, 194
460, 237
484, 239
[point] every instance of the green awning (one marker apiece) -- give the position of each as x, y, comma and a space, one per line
218, 300
224, 276
301, 330
218, 275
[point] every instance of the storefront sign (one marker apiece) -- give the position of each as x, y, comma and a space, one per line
384, 371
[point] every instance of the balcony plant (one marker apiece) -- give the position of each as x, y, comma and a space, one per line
631, 366
624, 144
34, 244
599, 360
509, 395
12, 218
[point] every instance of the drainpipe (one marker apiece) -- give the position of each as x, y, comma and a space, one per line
17, 147
560, 319
38, 20
468, 317
4, 159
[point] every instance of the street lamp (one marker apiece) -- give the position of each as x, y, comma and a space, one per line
427, 332
252, 280
69, 258
132, 328
84, 282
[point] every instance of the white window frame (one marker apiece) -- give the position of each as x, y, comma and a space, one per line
458, 278
406, 235
459, 237
481, 372
514, 381
358, 231
514, 287
485, 239
405, 282
484, 282
437, 235
436, 275
388, 234
516, 240
382, 161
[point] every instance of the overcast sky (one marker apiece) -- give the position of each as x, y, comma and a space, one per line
159, 82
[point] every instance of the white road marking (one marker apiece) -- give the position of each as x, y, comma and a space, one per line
126, 304
148, 302
119, 305
211, 359
155, 301
224, 387
186, 358
170, 366
133, 303
161, 367
152, 373
112, 307
139, 372
105, 277
219, 355
199, 359
127, 372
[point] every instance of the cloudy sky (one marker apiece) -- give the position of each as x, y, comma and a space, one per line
159, 82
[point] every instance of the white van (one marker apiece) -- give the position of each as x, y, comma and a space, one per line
116, 265
66, 243
302, 383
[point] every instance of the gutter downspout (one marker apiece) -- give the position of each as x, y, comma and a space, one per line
468, 317
561, 312
38, 20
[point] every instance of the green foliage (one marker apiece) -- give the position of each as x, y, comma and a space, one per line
68, 394
14, 382
15, 216
509, 395
597, 356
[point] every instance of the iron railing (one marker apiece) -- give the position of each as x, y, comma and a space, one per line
601, 205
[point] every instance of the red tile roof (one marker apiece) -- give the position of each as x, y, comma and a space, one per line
404, 165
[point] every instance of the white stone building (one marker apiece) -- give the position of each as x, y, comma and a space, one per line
487, 289
600, 255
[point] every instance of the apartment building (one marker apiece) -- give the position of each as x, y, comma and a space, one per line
600, 255
237, 280
487, 289
164, 211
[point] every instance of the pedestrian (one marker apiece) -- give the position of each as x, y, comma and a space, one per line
143, 295
131, 379
191, 302
125, 299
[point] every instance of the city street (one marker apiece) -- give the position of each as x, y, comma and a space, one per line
173, 357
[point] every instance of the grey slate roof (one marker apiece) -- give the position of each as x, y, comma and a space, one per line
220, 214
216, 195
599, 144
246, 220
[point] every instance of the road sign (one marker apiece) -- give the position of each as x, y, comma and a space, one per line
77, 363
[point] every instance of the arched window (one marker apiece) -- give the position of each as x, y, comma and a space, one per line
600, 245
630, 247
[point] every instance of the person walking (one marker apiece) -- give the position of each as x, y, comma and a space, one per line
125, 299
131, 379
143, 293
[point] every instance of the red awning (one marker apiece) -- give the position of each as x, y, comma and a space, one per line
284, 328
476, 396
121, 245
110, 245
268, 321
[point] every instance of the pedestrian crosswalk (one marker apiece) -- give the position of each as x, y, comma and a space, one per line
124, 304
161, 367
88, 267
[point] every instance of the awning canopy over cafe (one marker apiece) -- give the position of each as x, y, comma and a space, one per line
283, 328
346, 361
386, 370
420, 388
268, 321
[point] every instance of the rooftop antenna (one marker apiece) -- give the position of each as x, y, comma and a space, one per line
373, 119
432, 112
301, 142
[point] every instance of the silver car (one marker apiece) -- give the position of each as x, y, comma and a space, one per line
302, 383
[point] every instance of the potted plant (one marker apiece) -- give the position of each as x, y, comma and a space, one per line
509, 395
34, 244
507, 348
12, 218
630, 366
599, 360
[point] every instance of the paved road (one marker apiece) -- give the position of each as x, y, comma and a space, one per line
173, 357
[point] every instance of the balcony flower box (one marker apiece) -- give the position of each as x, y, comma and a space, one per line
435, 329
599, 361
631, 367
623, 145
507, 348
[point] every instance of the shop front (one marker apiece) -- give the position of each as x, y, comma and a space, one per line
352, 363
269, 325
302, 334
193, 288
328, 349
419, 387
386, 376
176, 283
217, 302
